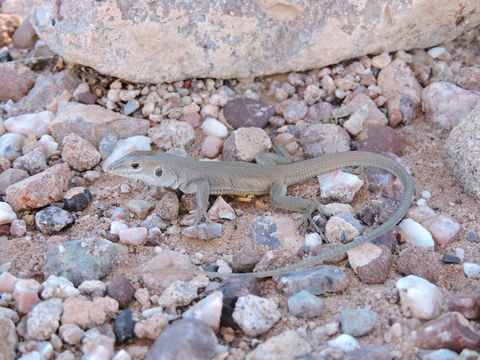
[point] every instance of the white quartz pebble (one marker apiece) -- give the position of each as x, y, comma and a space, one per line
135, 236
207, 310
471, 270
36, 124
214, 127
7, 215
313, 239
419, 297
346, 343
339, 185
49, 145
416, 234
117, 226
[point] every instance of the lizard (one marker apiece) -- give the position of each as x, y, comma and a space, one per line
272, 174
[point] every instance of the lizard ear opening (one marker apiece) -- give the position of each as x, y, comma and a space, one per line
158, 172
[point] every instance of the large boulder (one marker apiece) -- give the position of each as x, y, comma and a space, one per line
169, 40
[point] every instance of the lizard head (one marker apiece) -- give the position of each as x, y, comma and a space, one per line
150, 167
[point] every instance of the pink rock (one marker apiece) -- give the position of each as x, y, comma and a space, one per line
36, 124
44, 319
7, 282
211, 147
151, 327
79, 153
221, 210
39, 190
17, 80
381, 138
135, 236
25, 294
25, 36
444, 228
121, 289
85, 313
374, 115
71, 333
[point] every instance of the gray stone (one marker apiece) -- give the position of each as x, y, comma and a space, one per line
204, 231
34, 162
358, 322
324, 138
9, 177
53, 219
248, 113
244, 143
171, 134
78, 260
255, 315
370, 353
237, 39
305, 304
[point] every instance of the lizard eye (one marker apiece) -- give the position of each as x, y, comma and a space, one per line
158, 172
135, 165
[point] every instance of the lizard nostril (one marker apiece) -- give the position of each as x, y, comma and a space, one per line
158, 172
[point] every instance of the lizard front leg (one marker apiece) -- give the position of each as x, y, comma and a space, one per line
201, 188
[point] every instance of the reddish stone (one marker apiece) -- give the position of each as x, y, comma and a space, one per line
7, 282
368, 80
468, 306
25, 36
121, 290
17, 80
394, 117
193, 118
382, 138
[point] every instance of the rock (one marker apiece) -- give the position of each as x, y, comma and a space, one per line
306, 305
287, 345
213, 127
241, 113
53, 219
420, 298
168, 206
107, 144
362, 101
93, 122
72, 334
460, 103
81, 260
25, 36
382, 60
370, 262
468, 78
463, 152
294, 111
311, 34
451, 259
471, 270
123, 326
385, 183
402, 90
25, 294
179, 293
380, 139
416, 234
221, 210
451, 331
344, 342
255, 315
244, 143
79, 153
39, 190
126, 146
135, 236
7, 282
77, 199
193, 118
7, 215
121, 290
11, 176
355, 124
11, 145
419, 261
203, 231
371, 352
28, 125
151, 327
468, 306
338, 185
171, 134
358, 322
324, 138
207, 310
58, 287
140, 208
96, 345
95, 287
245, 260
342, 228
211, 147
48, 92
44, 319
8, 339
317, 280
17, 80
444, 228
186, 339
166, 259
34, 162
275, 232
85, 313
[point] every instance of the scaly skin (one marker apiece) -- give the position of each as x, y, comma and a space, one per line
206, 178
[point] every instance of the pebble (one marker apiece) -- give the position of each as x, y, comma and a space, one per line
185, 339
294, 111
440, 354
77, 199
7, 282
123, 326
204, 231
345, 343
317, 280
451, 259
130, 107
419, 261
245, 143
306, 305
39, 190
317, 113
125, 146
358, 322
151, 327
221, 210
468, 306
193, 118
179, 293
211, 147
11, 145
339, 185
17, 80
324, 138
313, 239
107, 144
245, 260
421, 213
370, 262
247, 113
274, 232
11, 176
43, 320
122, 355
255, 315
154, 221
382, 60
171, 134
232, 289
34, 162
213, 127
416, 234
121, 289
354, 125
450, 331
135, 236
116, 226
25, 294
460, 101
159, 281
30, 125
468, 77
286, 345
72, 334
53, 219
444, 228
81, 260
85, 313
419, 297
97, 345
95, 287
8, 338
371, 352
7, 215
207, 310
471, 270
342, 228
381, 138
374, 114
58, 287
79, 153
168, 206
